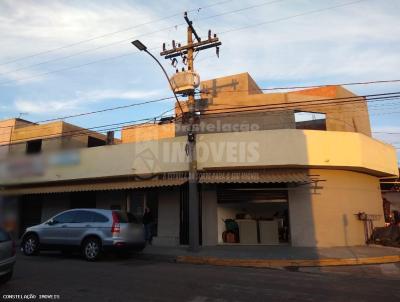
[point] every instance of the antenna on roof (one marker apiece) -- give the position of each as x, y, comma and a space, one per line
22, 113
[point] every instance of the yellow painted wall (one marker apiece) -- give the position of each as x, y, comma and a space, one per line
224, 94
342, 113
328, 218
56, 135
298, 148
6, 128
273, 148
32, 132
147, 132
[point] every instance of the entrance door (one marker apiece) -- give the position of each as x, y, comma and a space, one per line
30, 212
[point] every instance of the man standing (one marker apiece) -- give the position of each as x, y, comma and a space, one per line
148, 222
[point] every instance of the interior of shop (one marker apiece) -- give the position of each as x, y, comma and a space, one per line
253, 214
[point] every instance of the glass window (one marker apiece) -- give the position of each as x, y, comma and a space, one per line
83, 216
4, 236
67, 217
96, 217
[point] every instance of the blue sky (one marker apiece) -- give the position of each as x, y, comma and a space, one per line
357, 42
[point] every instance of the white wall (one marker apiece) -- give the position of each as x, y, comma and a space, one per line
209, 217
168, 217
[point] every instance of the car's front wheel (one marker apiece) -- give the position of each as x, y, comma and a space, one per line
91, 249
30, 245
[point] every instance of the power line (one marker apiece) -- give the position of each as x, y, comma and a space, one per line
295, 104
218, 15
350, 99
100, 111
71, 67
107, 109
110, 33
135, 37
216, 115
84, 131
85, 51
80, 132
382, 132
239, 10
291, 17
206, 91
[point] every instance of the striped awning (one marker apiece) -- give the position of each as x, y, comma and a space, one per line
102, 186
256, 176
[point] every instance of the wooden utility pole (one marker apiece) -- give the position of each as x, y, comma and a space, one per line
186, 52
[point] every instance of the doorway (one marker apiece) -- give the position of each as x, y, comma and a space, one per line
138, 200
30, 212
253, 214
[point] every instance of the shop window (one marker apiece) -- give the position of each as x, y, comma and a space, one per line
253, 214
34, 147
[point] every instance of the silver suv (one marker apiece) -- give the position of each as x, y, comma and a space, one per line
92, 231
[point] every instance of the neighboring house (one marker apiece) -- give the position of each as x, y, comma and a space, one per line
298, 171
23, 146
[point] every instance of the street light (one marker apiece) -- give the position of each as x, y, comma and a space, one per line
139, 45
191, 151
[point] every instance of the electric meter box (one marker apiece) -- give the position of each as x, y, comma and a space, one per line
185, 82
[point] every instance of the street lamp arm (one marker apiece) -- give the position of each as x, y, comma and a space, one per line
166, 75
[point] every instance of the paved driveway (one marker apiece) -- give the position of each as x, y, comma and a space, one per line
74, 279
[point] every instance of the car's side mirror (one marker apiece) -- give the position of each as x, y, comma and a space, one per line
52, 222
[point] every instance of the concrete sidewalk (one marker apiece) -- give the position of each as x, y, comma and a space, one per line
276, 256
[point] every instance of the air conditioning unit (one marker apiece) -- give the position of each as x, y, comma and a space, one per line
185, 82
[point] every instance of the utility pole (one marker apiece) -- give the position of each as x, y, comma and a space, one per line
186, 53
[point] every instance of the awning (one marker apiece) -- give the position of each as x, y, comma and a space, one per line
99, 186
256, 176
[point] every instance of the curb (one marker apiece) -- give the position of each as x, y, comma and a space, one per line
277, 263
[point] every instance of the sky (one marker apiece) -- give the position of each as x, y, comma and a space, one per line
59, 58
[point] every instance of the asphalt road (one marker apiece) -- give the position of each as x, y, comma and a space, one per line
74, 279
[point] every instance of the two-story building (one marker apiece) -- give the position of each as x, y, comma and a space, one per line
288, 168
